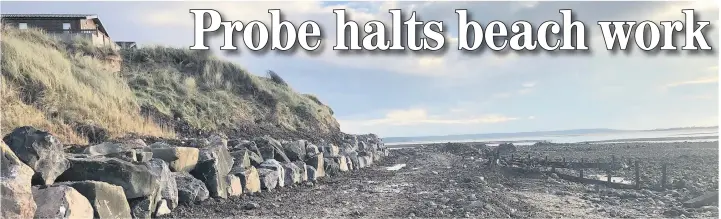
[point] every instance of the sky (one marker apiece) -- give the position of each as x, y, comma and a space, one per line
454, 92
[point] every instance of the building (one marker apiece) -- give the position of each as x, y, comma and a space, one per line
127, 45
66, 27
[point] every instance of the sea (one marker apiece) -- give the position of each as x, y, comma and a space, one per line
706, 134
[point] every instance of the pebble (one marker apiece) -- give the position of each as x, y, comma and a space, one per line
250, 206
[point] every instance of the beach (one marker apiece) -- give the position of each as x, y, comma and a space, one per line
440, 181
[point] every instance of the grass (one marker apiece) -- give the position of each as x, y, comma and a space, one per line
60, 86
210, 93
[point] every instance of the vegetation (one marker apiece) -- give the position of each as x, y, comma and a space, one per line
159, 91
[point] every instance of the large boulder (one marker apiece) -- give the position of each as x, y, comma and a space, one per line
268, 178
190, 189
316, 161
137, 180
505, 149
249, 145
235, 187
61, 201
276, 166
271, 149
310, 173
15, 186
331, 167
292, 174
213, 166
41, 151
143, 207
249, 179
349, 163
330, 150
353, 156
168, 186
301, 168
295, 150
179, 159
241, 158
108, 200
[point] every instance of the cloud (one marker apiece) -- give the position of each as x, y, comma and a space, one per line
418, 116
529, 84
705, 80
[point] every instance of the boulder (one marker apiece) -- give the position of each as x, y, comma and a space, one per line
331, 150
15, 186
235, 187
268, 178
249, 179
342, 163
276, 166
311, 150
61, 201
301, 168
143, 156
190, 189
162, 208
310, 173
270, 149
353, 156
249, 145
137, 180
41, 151
295, 150
108, 200
331, 167
505, 149
367, 160
214, 164
316, 161
292, 174
349, 163
179, 159
143, 207
241, 158
168, 186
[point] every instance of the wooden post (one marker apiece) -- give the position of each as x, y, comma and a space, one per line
663, 175
613, 162
564, 162
638, 174
580, 171
608, 176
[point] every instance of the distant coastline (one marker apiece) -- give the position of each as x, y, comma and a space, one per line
570, 136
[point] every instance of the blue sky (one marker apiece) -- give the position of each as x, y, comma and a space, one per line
454, 92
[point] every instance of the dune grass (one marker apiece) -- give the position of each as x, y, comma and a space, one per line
60, 86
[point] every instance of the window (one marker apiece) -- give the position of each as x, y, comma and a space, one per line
66, 27
23, 26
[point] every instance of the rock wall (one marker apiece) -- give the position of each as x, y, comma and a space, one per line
128, 178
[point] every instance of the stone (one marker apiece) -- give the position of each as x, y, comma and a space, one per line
137, 180
251, 146
249, 179
241, 158
271, 149
368, 160
179, 159
342, 163
268, 178
162, 208
143, 207
235, 187
190, 189
331, 150
168, 186
355, 160
295, 150
143, 156
61, 201
311, 150
292, 174
214, 163
15, 186
310, 173
108, 200
41, 151
331, 167
349, 163
250, 206
316, 161
301, 168
276, 166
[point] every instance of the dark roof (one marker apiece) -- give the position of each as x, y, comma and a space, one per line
50, 16
86, 16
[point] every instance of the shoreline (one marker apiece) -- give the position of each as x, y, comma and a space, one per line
531, 142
